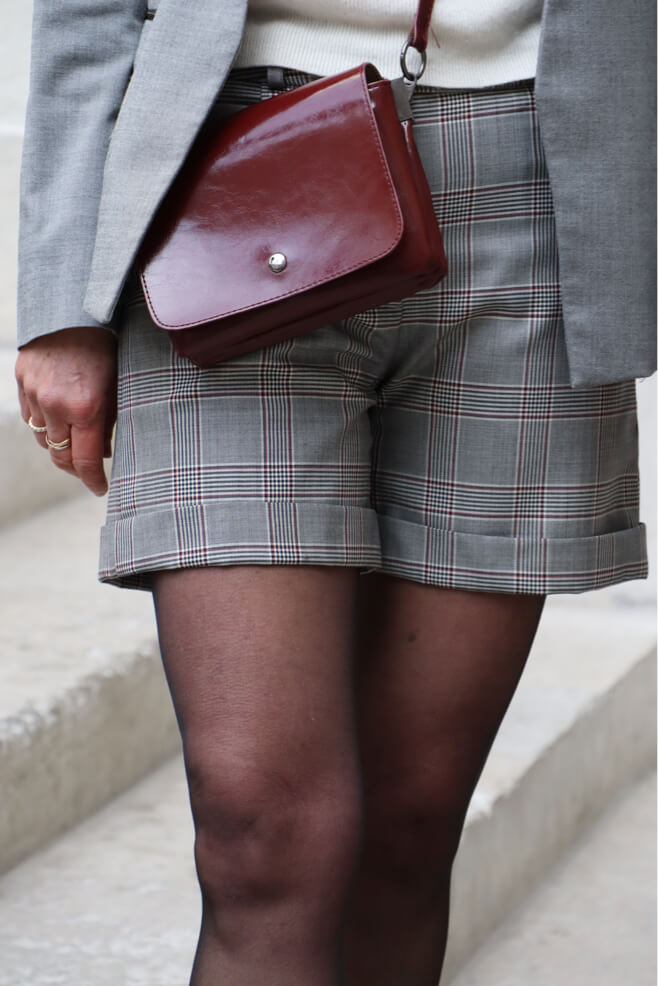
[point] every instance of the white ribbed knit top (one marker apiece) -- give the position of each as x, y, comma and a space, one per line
482, 42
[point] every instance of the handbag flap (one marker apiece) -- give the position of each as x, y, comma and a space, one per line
292, 192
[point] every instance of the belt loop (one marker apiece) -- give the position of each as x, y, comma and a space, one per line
275, 78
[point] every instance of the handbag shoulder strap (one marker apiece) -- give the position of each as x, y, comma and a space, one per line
417, 40
421, 25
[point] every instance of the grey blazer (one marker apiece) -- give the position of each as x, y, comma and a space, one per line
117, 99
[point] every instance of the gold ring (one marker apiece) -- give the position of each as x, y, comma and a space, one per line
58, 446
34, 427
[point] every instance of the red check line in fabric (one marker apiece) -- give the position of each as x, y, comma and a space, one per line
436, 439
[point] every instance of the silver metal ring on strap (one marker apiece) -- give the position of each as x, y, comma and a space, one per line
406, 71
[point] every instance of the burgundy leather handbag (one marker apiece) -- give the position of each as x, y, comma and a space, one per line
305, 208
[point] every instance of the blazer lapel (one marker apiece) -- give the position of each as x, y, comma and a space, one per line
180, 65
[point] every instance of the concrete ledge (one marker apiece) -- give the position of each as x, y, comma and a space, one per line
581, 728
84, 707
592, 920
30, 482
58, 765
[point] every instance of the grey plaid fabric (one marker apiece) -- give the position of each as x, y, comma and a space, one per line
436, 439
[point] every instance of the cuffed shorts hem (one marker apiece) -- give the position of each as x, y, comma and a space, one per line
237, 532
288, 533
485, 563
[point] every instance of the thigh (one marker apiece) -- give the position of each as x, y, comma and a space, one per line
259, 663
436, 671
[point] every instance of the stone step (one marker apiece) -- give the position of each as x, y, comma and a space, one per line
84, 710
579, 729
84, 713
592, 921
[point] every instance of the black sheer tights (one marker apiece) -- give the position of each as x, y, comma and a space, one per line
259, 662
436, 671
333, 729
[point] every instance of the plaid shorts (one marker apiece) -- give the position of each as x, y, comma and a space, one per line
436, 439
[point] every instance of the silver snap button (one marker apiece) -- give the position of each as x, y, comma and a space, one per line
278, 262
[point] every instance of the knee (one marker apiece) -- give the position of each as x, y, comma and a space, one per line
264, 833
412, 832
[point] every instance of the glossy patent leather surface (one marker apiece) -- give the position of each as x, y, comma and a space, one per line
324, 175
421, 26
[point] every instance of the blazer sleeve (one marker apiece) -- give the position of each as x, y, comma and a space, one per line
81, 62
